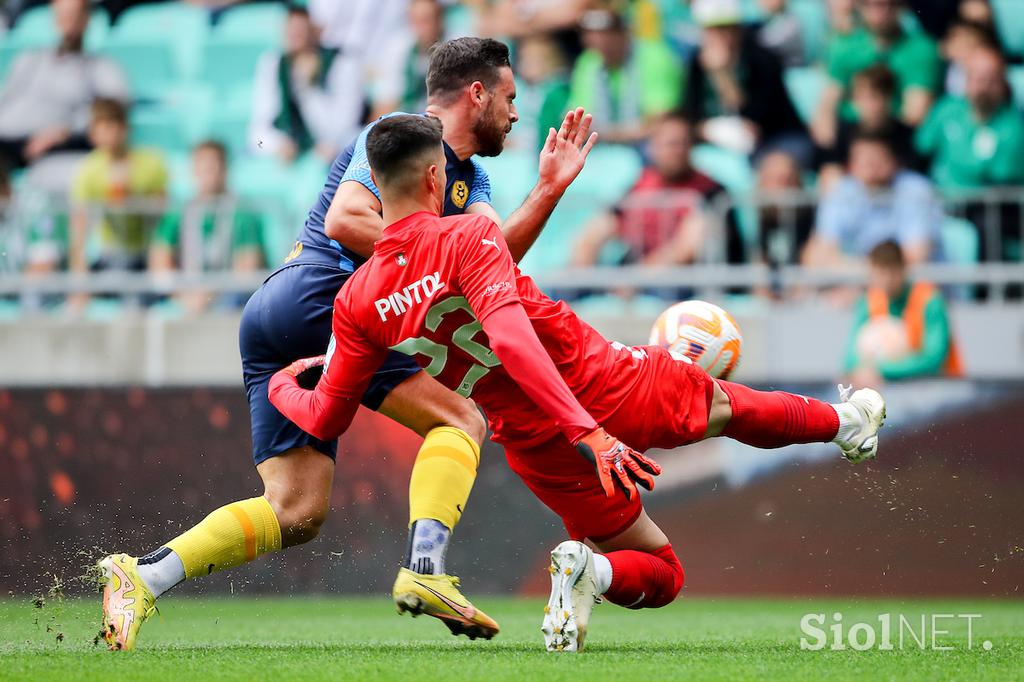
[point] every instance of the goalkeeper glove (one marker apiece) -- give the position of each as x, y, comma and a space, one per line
617, 463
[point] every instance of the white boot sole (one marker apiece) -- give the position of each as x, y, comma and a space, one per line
563, 629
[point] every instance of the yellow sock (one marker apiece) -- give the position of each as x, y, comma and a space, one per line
228, 537
443, 476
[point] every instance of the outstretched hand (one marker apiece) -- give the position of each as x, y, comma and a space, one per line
565, 150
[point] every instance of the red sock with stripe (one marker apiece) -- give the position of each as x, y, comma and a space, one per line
772, 419
644, 580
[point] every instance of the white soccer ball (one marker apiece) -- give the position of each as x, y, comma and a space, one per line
702, 332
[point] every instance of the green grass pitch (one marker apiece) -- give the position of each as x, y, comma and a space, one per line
363, 639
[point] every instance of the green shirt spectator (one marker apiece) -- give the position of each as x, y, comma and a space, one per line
225, 233
624, 83
976, 140
913, 57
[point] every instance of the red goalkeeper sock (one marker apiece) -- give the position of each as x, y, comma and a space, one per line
773, 419
644, 580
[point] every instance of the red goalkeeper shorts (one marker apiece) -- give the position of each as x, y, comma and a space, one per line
668, 407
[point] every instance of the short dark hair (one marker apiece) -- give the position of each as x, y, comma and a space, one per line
888, 254
395, 143
879, 78
454, 64
295, 10
880, 138
107, 109
215, 146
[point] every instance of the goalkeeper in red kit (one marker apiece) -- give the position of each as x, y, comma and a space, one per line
558, 396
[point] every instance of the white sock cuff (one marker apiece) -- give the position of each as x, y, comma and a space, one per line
849, 421
603, 572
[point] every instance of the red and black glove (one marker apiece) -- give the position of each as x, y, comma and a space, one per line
617, 463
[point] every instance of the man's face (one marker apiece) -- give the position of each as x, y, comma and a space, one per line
778, 172
889, 279
425, 20
726, 39
497, 115
986, 78
669, 149
881, 17
209, 172
872, 106
873, 164
71, 17
611, 44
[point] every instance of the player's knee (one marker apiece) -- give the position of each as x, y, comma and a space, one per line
300, 517
467, 417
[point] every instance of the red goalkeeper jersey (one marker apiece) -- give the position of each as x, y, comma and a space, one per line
429, 290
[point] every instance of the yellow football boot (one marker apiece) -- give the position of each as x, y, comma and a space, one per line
127, 602
439, 596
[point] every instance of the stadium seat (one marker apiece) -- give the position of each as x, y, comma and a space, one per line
8, 53
960, 242
805, 85
35, 29
1009, 19
152, 68
171, 28
1015, 74
226, 62
158, 126
729, 169
813, 16
261, 22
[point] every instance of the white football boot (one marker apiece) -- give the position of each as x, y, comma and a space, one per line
870, 405
573, 595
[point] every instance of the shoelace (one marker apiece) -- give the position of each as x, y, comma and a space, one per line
844, 392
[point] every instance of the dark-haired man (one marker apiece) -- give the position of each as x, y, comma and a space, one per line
470, 90
446, 291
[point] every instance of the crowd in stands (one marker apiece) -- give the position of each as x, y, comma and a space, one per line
894, 116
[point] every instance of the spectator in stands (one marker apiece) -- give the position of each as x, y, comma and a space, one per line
877, 201
963, 38
662, 220
781, 33
307, 97
785, 218
911, 55
900, 330
977, 141
979, 12
212, 231
409, 91
842, 17
873, 95
517, 19
44, 104
624, 83
735, 90
542, 91
117, 193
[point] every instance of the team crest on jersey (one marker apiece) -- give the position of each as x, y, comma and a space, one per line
401, 259
460, 193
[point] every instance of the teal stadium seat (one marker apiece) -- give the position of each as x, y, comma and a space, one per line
805, 84
259, 22
1015, 74
35, 29
226, 62
813, 18
159, 126
960, 241
729, 169
1009, 17
158, 45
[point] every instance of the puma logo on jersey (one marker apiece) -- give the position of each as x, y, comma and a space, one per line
412, 294
491, 242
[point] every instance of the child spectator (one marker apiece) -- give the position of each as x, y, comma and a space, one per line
622, 82
963, 38
211, 232
307, 97
900, 330
116, 192
874, 91
735, 89
876, 202
910, 54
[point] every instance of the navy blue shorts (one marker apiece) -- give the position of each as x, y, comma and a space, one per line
287, 319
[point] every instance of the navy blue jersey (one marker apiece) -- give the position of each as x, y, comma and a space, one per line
467, 184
